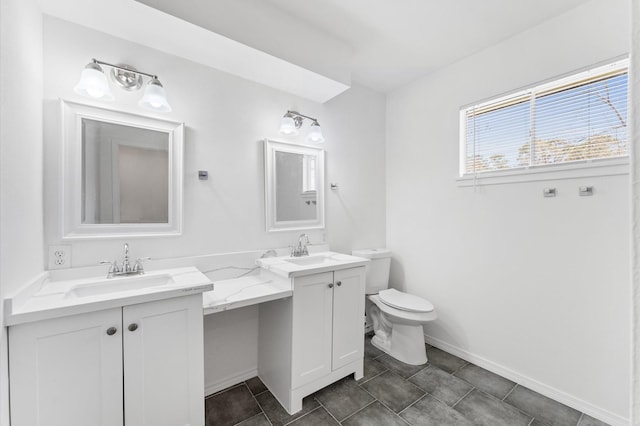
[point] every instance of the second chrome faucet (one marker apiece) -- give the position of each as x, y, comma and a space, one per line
301, 248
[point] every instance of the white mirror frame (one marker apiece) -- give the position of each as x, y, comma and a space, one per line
71, 174
270, 149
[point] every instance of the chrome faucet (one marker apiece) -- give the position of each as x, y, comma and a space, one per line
126, 269
301, 248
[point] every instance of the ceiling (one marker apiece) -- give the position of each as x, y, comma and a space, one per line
380, 44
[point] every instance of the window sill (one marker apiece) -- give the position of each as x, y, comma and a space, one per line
595, 168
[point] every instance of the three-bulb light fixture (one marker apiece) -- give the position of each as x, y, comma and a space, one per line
292, 121
93, 84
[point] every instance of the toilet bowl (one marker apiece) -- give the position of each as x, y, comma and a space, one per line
398, 327
397, 317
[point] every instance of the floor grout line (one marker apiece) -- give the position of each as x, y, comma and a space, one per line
509, 393
463, 397
258, 402
304, 415
358, 410
327, 410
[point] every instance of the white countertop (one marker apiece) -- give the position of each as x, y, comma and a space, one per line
288, 267
47, 297
245, 291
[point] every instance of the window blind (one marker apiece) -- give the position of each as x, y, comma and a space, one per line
582, 117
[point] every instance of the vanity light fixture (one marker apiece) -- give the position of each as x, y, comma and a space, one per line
292, 121
93, 84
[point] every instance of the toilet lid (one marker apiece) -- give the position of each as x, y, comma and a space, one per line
406, 302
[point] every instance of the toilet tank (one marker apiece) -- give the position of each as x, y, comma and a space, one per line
377, 269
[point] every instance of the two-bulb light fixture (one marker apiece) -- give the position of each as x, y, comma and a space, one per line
93, 84
292, 121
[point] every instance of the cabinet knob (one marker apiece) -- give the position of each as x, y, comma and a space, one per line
111, 331
339, 283
330, 285
133, 326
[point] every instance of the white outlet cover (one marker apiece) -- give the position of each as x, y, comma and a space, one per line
59, 257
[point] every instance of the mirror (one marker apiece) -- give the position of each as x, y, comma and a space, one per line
122, 174
294, 178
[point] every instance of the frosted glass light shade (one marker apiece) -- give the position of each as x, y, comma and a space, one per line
288, 126
315, 133
155, 97
93, 83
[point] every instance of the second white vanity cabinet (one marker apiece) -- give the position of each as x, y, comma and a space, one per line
140, 364
314, 338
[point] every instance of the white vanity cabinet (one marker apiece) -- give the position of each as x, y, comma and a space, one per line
140, 364
315, 337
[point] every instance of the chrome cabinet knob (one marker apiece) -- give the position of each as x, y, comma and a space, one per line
133, 326
330, 285
339, 283
111, 331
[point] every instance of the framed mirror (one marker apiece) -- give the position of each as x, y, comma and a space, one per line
294, 186
121, 174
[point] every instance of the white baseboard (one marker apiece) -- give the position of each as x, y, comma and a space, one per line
546, 390
211, 388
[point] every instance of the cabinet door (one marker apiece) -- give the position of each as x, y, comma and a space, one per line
312, 300
67, 371
348, 316
164, 363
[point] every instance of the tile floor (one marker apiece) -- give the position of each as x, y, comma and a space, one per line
445, 391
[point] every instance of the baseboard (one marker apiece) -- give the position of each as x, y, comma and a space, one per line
211, 388
548, 391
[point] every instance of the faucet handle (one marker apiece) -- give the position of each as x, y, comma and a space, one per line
113, 268
138, 268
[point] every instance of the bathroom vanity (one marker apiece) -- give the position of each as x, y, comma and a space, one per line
315, 337
96, 351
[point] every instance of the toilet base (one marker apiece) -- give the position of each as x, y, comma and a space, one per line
405, 343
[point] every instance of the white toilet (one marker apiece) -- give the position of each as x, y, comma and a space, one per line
397, 317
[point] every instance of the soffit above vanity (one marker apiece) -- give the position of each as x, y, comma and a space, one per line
140, 23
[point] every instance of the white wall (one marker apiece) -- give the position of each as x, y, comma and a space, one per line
534, 288
21, 245
226, 120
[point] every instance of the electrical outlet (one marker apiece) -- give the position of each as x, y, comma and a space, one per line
59, 257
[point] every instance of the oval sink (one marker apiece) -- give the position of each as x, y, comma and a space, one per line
118, 284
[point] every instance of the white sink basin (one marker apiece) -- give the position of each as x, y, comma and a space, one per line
118, 284
308, 260
318, 262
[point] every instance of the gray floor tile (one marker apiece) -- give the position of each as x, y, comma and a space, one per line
343, 398
486, 410
371, 369
444, 360
542, 408
374, 414
587, 420
447, 388
371, 351
276, 414
318, 417
230, 407
431, 412
399, 367
255, 385
259, 420
393, 391
485, 380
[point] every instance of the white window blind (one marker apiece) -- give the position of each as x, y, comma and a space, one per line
574, 119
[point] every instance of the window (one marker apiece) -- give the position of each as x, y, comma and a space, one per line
577, 119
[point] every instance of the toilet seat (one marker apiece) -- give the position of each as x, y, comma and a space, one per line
404, 301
